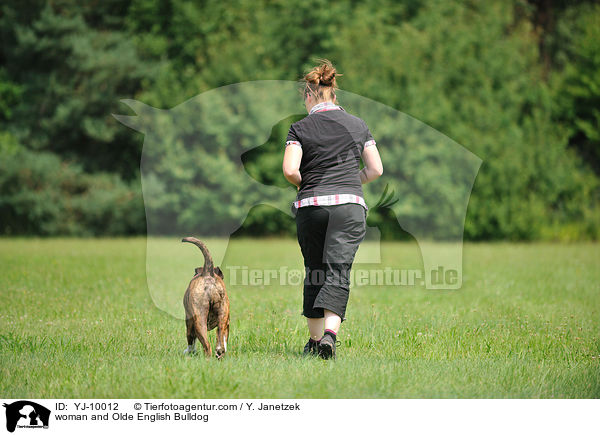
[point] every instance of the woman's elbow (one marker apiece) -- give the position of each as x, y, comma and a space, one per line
379, 171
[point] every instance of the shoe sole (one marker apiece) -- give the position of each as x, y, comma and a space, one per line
326, 351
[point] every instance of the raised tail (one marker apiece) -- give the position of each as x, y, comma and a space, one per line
208, 263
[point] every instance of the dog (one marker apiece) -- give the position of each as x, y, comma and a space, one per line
206, 305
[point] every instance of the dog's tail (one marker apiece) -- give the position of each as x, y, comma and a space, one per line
208, 263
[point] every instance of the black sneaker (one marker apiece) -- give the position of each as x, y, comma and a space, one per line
327, 347
311, 348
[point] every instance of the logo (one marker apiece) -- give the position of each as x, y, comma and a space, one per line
210, 164
26, 414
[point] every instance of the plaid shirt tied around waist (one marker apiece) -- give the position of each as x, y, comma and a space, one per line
325, 200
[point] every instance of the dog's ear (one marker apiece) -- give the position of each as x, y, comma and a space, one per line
199, 270
219, 272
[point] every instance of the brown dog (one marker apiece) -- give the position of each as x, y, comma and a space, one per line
206, 305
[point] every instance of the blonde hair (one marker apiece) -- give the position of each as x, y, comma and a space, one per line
320, 82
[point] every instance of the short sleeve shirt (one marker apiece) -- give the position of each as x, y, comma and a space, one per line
332, 142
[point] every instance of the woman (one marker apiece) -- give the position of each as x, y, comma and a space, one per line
322, 158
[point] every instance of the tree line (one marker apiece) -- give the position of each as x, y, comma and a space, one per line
515, 82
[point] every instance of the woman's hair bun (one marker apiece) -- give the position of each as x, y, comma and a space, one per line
323, 75
327, 76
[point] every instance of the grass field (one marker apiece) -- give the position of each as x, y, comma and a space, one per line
77, 321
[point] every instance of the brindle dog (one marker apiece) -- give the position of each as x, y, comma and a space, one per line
206, 305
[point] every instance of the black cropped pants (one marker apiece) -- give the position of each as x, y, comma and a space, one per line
329, 237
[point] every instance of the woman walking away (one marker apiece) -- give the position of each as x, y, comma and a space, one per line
322, 157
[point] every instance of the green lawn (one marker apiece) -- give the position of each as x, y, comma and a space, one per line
77, 320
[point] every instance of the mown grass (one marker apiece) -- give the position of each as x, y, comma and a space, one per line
77, 321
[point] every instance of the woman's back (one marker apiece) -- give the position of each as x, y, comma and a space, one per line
332, 142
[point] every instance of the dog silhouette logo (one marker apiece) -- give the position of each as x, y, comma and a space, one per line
26, 414
211, 161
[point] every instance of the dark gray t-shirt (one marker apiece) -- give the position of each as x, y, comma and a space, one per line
332, 142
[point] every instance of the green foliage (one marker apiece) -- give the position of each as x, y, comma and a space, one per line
579, 93
516, 83
477, 78
70, 77
10, 94
42, 195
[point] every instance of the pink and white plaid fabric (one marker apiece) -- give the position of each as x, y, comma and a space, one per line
324, 200
324, 106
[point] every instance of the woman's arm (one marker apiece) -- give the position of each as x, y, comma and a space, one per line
291, 164
373, 167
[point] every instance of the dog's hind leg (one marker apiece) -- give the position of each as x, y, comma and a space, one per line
191, 337
202, 334
222, 335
